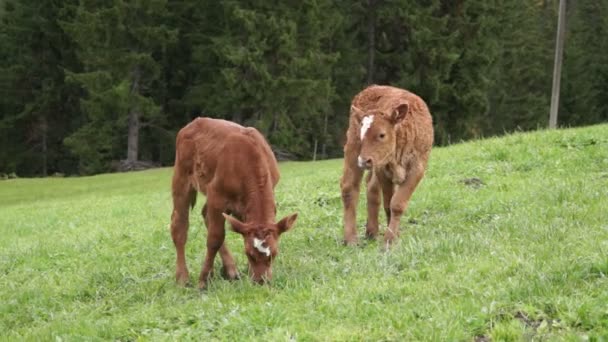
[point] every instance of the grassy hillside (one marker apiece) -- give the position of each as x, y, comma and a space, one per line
505, 239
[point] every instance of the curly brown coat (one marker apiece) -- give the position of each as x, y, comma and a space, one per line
237, 171
390, 134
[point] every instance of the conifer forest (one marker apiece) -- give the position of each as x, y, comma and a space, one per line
90, 86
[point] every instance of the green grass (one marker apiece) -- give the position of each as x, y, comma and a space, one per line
524, 256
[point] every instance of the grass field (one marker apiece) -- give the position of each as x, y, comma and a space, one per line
518, 253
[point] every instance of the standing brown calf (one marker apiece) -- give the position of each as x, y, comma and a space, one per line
390, 133
237, 171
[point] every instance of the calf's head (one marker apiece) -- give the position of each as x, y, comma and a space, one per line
261, 244
378, 135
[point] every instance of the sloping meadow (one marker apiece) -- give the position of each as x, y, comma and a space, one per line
505, 239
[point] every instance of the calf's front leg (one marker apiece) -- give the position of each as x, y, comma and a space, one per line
229, 271
399, 203
349, 185
215, 239
373, 205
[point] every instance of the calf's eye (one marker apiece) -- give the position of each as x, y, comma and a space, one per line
381, 135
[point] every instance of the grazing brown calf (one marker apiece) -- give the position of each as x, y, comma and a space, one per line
390, 133
237, 171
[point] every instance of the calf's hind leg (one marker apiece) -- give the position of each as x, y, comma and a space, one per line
182, 197
388, 188
229, 270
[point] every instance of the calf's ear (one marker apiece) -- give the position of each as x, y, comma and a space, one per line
237, 225
400, 112
287, 223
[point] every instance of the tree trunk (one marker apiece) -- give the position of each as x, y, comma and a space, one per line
134, 116
371, 40
44, 128
274, 124
323, 146
237, 117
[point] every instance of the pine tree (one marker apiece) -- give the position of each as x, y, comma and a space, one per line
274, 69
521, 90
585, 77
442, 51
120, 44
36, 104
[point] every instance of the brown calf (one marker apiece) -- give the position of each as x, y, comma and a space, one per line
390, 133
237, 171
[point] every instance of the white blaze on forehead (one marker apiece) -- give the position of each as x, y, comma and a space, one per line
259, 245
365, 124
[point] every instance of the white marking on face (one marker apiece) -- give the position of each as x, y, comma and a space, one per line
259, 245
365, 124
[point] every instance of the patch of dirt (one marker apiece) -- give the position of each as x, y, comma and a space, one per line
321, 201
535, 328
324, 201
125, 165
474, 182
523, 317
536, 323
282, 155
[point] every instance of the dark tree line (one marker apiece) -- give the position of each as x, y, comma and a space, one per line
86, 83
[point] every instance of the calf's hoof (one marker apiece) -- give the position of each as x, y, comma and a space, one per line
182, 279
371, 234
202, 286
371, 231
388, 242
202, 282
230, 273
385, 246
350, 242
203, 279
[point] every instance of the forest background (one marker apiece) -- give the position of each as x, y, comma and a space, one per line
93, 86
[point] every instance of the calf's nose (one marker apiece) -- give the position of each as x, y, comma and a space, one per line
364, 163
258, 281
261, 277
